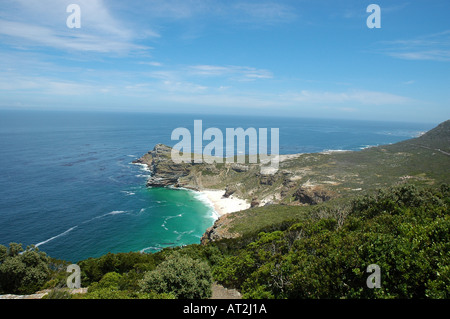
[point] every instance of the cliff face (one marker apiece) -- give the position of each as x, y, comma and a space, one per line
313, 195
243, 180
164, 171
218, 231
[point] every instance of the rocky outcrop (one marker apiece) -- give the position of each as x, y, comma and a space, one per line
289, 182
220, 292
38, 295
312, 195
218, 231
265, 179
229, 190
43, 293
240, 168
255, 202
164, 171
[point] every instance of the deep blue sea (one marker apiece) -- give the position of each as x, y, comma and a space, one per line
68, 186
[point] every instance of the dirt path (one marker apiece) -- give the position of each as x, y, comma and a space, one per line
220, 292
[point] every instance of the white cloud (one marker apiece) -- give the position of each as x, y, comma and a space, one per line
432, 55
239, 73
42, 85
359, 12
151, 63
33, 23
31, 35
433, 47
358, 97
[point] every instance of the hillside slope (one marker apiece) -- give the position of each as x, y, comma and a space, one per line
305, 179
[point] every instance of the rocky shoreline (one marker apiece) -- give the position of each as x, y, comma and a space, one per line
166, 173
232, 177
241, 186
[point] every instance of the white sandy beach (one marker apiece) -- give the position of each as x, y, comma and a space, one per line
223, 205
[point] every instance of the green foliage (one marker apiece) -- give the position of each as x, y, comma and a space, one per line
105, 293
182, 276
58, 277
319, 252
116, 286
405, 230
58, 293
93, 269
392, 200
111, 280
3, 253
22, 272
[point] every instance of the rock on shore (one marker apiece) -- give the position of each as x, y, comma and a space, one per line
164, 171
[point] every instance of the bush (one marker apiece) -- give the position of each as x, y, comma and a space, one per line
106, 293
182, 276
93, 269
58, 293
115, 286
22, 272
404, 230
110, 281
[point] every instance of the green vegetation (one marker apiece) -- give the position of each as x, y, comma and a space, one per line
405, 230
389, 210
117, 286
182, 276
305, 179
24, 272
318, 252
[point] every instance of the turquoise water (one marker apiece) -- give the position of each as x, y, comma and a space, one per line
152, 219
67, 183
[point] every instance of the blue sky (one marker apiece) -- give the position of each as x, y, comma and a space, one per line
289, 58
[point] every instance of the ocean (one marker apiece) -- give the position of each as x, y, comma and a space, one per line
68, 186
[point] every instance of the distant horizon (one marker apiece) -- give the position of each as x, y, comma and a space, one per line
293, 58
199, 115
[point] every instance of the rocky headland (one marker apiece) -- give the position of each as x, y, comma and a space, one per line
306, 179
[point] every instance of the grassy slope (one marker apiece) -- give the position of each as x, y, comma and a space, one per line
418, 161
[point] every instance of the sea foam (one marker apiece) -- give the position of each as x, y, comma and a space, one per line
54, 237
205, 200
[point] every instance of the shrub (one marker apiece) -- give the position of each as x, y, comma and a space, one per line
110, 281
404, 230
22, 272
182, 276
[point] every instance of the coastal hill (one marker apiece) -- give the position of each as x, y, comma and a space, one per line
312, 178
331, 217
306, 179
